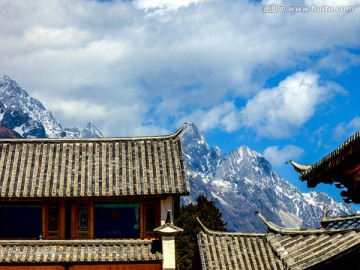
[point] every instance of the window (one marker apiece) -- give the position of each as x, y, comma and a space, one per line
81, 217
20, 220
151, 218
53, 220
60, 219
116, 220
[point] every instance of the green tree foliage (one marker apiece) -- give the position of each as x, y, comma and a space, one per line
208, 214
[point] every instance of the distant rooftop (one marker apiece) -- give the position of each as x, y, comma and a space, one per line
279, 248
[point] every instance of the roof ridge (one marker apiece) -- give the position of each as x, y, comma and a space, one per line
103, 139
208, 231
275, 228
341, 218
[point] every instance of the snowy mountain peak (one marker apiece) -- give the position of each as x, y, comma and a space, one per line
206, 158
7, 83
28, 117
243, 182
90, 131
244, 153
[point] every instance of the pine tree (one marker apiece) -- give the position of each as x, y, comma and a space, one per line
208, 214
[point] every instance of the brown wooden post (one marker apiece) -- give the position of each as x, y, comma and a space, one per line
91, 219
73, 220
44, 221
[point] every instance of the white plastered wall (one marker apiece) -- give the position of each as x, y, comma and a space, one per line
165, 205
168, 242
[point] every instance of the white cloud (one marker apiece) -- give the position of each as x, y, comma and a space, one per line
54, 38
344, 130
338, 61
223, 116
203, 56
163, 4
278, 157
276, 112
78, 109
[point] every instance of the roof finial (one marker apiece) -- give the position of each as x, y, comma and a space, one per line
325, 212
168, 217
298, 167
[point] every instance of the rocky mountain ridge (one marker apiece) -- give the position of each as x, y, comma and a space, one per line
29, 118
243, 182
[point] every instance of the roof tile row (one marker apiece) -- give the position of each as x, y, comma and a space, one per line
57, 251
280, 248
92, 167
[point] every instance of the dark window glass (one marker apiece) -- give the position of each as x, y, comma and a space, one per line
83, 219
116, 220
150, 212
53, 219
20, 220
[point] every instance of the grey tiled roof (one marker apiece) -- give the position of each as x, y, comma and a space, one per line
98, 167
302, 251
226, 250
346, 222
76, 251
236, 251
305, 248
280, 248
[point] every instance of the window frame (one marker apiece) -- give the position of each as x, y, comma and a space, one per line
46, 205
139, 202
149, 234
75, 232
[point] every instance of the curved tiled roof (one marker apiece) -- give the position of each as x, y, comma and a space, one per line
76, 251
280, 248
335, 168
232, 250
305, 248
346, 222
99, 167
345, 151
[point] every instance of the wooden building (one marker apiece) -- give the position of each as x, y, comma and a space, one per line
342, 167
100, 203
334, 246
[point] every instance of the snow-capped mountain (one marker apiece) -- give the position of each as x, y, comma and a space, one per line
28, 117
243, 182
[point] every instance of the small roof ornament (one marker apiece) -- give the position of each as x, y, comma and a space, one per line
168, 229
298, 167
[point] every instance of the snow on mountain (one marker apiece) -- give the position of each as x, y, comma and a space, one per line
28, 117
243, 182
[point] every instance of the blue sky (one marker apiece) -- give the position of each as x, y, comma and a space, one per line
284, 83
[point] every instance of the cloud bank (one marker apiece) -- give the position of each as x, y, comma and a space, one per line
145, 66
